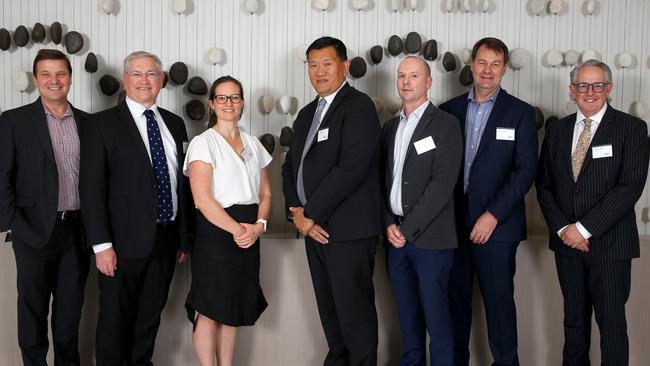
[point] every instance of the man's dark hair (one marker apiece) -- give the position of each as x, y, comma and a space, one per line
322, 42
493, 44
49, 54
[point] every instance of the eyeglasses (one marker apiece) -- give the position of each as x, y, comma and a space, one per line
221, 99
596, 87
149, 75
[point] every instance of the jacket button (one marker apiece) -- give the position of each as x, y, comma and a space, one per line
405, 205
576, 190
405, 183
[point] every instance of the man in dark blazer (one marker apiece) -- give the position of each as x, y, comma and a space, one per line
499, 166
421, 157
332, 191
39, 203
136, 206
592, 170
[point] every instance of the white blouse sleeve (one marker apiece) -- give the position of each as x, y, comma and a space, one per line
264, 156
198, 150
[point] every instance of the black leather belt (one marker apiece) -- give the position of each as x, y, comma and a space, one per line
68, 215
398, 219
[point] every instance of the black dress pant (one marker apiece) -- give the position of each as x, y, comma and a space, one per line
58, 270
341, 274
601, 285
130, 303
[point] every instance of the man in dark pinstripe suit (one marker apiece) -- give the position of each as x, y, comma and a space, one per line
592, 170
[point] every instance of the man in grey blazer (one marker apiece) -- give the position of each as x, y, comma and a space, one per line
592, 170
421, 157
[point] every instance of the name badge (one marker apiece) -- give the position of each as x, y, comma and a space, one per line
323, 134
246, 154
601, 151
424, 145
185, 145
505, 134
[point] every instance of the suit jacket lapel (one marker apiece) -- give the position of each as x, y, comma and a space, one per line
39, 122
134, 134
423, 123
337, 100
566, 144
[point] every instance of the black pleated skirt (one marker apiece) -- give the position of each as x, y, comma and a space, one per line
225, 278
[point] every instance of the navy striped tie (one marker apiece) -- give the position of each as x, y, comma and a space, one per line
160, 169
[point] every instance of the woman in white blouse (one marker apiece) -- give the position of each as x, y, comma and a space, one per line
232, 193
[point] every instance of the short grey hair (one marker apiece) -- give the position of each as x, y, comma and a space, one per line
427, 68
592, 63
141, 54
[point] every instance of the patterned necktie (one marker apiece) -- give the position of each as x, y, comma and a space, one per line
582, 147
160, 169
315, 123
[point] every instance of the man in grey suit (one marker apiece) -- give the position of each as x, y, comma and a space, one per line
592, 170
421, 157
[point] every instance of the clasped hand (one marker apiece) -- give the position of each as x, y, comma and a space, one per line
248, 234
308, 227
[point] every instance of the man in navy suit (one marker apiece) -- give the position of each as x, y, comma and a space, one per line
592, 170
421, 157
499, 166
137, 211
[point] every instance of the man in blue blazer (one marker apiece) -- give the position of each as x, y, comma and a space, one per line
499, 166
592, 171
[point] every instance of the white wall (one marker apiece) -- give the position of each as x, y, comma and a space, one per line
261, 52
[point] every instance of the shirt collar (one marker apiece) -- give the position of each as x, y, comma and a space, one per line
596, 118
138, 109
68, 112
417, 113
493, 97
330, 98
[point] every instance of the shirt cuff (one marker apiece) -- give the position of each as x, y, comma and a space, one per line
559, 232
101, 247
584, 232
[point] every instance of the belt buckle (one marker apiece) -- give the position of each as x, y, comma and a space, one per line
65, 215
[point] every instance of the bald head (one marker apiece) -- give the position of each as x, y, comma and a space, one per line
413, 82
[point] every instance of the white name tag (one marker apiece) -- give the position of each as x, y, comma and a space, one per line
246, 154
323, 134
185, 145
424, 145
506, 134
602, 151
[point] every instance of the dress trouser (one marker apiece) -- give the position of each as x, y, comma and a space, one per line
494, 265
601, 285
58, 270
130, 303
341, 273
419, 279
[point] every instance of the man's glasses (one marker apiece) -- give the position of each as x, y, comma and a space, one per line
221, 99
149, 75
596, 87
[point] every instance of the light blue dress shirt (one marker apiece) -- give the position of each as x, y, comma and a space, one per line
475, 121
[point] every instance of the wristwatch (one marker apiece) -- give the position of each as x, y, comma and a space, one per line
263, 222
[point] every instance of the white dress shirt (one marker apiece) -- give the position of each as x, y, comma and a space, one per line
403, 135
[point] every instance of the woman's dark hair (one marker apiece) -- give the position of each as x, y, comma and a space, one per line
212, 120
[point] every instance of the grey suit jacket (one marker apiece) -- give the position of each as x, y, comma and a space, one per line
428, 180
